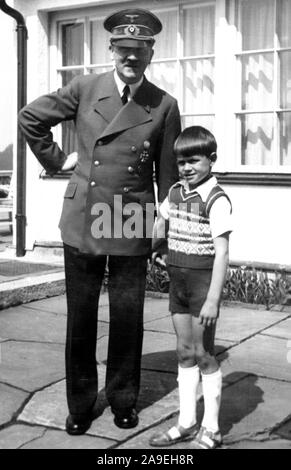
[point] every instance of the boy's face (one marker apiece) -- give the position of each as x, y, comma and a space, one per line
194, 168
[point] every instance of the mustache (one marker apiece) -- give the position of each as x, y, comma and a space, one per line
131, 62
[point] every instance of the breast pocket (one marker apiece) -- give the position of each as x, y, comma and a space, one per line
71, 190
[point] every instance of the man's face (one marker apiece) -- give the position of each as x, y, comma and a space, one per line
131, 62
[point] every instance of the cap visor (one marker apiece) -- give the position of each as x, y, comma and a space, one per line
131, 42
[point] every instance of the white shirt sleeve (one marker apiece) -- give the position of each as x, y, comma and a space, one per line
220, 217
164, 208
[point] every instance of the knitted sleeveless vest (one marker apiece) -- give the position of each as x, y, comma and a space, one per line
190, 241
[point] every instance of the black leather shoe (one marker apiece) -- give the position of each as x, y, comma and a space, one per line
77, 426
126, 418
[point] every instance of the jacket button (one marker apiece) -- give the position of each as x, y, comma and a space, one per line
96, 163
130, 169
126, 189
146, 145
92, 184
100, 142
133, 148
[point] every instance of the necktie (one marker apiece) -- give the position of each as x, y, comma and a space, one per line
125, 94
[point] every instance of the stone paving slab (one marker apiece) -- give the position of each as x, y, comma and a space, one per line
268, 444
31, 366
49, 408
23, 324
248, 407
281, 330
253, 405
11, 400
61, 440
236, 324
32, 325
159, 351
16, 435
284, 430
262, 355
58, 304
153, 309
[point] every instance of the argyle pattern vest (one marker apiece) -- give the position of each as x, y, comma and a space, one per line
190, 242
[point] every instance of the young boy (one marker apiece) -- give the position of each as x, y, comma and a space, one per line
199, 218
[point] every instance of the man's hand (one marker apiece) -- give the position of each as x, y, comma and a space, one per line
160, 259
209, 313
70, 162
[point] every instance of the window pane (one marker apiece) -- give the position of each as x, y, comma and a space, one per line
284, 22
199, 28
198, 86
257, 136
99, 43
164, 75
69, 138
68, 75
204, 121
257, 20
166, 41
285, 138
257, 81
285, 79
100, 69
73, 44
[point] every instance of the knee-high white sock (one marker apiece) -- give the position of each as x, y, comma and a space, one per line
211, 386
188, 380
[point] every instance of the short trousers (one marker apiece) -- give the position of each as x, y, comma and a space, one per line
188, 289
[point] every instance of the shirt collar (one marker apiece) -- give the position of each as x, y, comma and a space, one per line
132, 87
204, 189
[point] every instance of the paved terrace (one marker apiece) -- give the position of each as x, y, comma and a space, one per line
253, 345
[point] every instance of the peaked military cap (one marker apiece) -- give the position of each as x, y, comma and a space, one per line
133, 27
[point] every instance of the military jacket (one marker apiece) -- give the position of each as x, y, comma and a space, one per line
110, 197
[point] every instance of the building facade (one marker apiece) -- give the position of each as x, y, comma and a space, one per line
228, 62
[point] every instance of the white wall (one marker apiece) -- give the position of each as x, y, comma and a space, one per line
262, 231
262, 224
7, 79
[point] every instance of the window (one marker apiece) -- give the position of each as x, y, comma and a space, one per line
264, 118
183, 62
228, 63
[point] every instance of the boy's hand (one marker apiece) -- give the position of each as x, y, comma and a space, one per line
160, 259
209, 313
70, 162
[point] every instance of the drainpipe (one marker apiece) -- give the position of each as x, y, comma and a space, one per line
21, 144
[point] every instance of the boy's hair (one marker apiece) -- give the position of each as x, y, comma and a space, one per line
196, 140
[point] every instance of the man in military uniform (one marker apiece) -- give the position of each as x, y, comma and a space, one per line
125, 127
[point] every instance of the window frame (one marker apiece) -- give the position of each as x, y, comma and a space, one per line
226, 52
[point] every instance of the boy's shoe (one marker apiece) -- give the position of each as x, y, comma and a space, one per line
174, 435
206, 439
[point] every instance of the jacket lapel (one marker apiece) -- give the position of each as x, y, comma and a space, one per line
109, 102
134, 113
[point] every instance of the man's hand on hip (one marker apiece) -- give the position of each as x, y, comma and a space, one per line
70, 162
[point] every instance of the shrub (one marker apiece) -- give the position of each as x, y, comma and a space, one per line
242, 284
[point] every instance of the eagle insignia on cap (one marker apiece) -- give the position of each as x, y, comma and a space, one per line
133, 27
132, 18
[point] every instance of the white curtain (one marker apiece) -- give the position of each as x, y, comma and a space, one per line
73, 44
99, 43
198, 74
257, 26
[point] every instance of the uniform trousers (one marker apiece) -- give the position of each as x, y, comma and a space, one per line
126, 288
